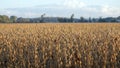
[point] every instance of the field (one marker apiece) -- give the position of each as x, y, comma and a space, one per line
60, 45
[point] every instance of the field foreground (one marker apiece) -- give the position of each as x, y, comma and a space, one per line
59, 45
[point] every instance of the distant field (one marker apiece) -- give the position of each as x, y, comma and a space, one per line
60, 45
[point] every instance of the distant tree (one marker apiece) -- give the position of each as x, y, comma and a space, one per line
4, 19
20, 20
90, 20
72, 18
101, 19
82, 19
42, 17
60, 19
114, 20
26, 20
118, 17
93, 20
13, 19
1, 18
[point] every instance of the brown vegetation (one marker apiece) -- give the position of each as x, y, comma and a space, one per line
59, 45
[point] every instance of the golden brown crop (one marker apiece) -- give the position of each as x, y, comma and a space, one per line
59, 45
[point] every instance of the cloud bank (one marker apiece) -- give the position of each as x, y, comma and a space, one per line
65, 9
73, 4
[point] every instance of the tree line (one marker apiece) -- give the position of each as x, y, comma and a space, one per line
43, 19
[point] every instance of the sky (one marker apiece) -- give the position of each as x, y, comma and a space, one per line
60, 8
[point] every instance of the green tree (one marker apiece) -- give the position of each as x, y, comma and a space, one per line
0, 18
4, 19
13, 19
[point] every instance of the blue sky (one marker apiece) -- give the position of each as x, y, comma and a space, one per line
34, 8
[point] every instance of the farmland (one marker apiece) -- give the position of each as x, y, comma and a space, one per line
60, 45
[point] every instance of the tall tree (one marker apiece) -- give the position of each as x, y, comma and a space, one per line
72, 18
90, 20
42, 17
100, 19
13, 19
82, 19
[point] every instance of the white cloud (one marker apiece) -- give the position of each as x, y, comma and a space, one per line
66, 9
110, 10
4, 12
74, 4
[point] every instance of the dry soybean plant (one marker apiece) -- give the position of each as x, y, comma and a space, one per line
59, 45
